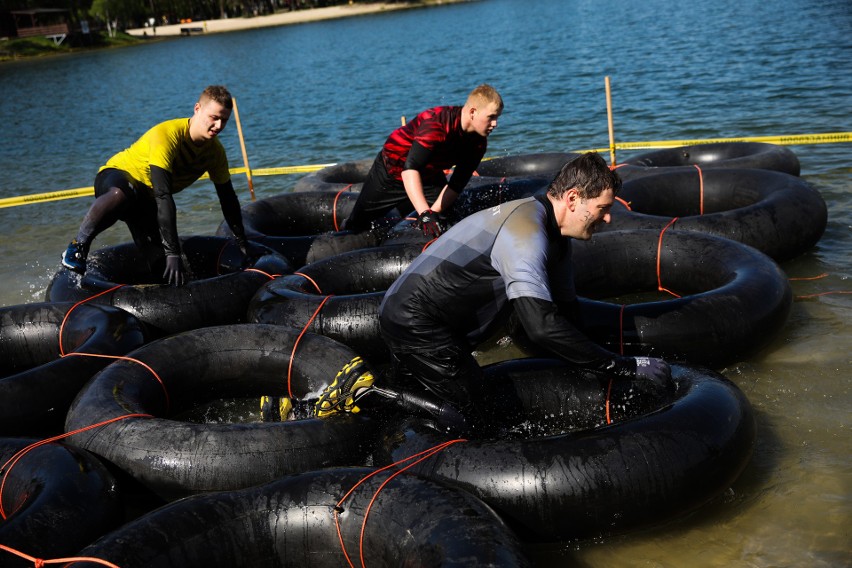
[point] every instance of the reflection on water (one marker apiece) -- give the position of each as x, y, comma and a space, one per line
332, 91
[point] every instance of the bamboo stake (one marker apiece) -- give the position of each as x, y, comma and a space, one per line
243, 148
609, 121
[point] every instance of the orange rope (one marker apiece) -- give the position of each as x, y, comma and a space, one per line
823, 275
338, 507
68, 313
309, 279
39, 562
807, 296
10, 463
659, 254
624, 202
79, 354
132, 360
620, 352
818, 294
334, 206
296, 345
268, 275
700, 190
608, 393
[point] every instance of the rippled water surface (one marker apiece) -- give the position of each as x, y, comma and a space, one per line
331, 91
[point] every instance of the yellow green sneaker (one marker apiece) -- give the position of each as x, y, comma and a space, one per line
341, 394
275, 408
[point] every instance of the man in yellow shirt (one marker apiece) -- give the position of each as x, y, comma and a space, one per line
136, 186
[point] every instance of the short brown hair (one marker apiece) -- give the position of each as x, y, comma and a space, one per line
219, 94
589, 173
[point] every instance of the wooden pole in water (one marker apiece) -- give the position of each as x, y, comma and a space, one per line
243, 148
609, 121
402, 120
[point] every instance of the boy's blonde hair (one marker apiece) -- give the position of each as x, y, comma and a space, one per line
483, 95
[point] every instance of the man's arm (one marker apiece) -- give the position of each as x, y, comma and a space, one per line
161, 182
413, 183
445, 200
231, 210
546, 326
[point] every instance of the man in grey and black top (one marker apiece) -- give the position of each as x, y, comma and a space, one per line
516, 255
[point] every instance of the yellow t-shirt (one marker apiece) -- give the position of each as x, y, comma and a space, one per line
168, 146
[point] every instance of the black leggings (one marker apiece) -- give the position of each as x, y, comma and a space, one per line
381, 193
454, 384
120, 197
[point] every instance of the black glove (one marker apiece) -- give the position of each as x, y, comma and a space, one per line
655, 370
174, 271
432, 224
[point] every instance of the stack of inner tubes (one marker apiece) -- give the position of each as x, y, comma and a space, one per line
345, 176
713, 301
304, 227
217, 293
144, 397
295, 521
45, 349
338, 296
128, 368
564, 473
777, 213
757, 155
55, 500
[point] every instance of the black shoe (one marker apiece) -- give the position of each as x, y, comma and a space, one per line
74, 257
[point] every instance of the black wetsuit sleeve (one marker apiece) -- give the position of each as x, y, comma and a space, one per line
547, 326
462, 174
231, 209
161, 180
418, 157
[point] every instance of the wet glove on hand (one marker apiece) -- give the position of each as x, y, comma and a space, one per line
174, 271
655, 370
431, 223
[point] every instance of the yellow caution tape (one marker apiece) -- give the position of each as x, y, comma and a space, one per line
50, 196
277, 171
289, 170
789, 140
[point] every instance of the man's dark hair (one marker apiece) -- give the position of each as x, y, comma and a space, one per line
219, 94
589, 173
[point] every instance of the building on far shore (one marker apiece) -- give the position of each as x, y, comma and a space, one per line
46, 22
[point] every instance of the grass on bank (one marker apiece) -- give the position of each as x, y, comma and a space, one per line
20, 48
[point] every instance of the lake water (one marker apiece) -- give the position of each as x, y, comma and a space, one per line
332, 91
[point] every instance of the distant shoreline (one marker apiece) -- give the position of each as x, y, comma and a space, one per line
203, 27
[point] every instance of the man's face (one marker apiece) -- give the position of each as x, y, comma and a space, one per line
581, 217
209, 120
484, 120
